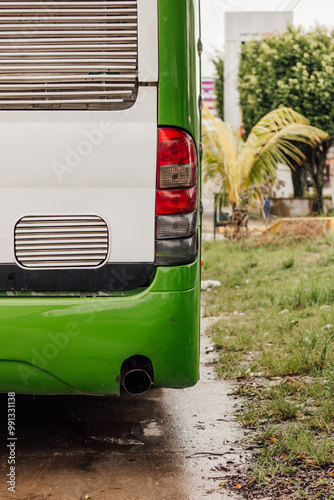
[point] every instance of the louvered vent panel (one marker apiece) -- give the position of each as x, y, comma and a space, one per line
61, 241
68, 54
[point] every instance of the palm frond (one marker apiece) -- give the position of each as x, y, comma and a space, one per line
272, 141
221, 146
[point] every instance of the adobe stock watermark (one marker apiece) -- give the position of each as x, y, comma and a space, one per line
91, 140
50, 351
11, 443
56, 342
74, 156
94, 137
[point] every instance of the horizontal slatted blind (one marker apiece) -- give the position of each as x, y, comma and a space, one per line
68, 54
61, 241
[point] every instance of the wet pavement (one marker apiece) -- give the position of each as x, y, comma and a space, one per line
167, 444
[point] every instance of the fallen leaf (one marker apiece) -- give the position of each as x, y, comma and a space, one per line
222, 483
267, 479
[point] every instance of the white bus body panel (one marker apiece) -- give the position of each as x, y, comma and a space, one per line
87, 162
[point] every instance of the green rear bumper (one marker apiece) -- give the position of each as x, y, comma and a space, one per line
77, 345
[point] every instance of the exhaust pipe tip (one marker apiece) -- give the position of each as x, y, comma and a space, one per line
137, 382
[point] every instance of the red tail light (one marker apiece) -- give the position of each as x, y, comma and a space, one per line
176, 194
175, 202
177, 172
175, 147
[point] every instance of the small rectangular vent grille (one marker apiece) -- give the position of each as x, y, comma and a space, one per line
68, 54
61, 241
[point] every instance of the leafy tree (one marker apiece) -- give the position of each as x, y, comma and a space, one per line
293, 69
238, 164
219, 86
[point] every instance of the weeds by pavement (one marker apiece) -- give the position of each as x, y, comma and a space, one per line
275, 335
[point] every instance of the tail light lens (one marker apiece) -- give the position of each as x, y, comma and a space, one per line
175, 176
176, 198
176, 226
175, 253
173, 202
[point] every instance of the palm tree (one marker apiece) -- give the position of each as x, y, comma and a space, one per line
238, 164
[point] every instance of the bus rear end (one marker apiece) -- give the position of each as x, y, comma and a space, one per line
100, 226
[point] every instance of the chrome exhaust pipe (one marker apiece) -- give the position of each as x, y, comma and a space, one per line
137, 382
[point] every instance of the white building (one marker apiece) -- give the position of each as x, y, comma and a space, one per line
241, 27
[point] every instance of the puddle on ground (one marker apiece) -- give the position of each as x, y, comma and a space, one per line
165, 445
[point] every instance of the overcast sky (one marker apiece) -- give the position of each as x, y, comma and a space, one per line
306, 13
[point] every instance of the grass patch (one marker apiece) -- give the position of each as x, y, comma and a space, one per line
275, 335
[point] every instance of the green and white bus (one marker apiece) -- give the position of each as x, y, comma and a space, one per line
100, 195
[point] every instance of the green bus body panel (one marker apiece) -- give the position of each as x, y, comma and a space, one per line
179, 65
77, 345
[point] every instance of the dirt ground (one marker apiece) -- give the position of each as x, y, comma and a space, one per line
168, 444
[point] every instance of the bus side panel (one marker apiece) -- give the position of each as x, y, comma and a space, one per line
179, 91
178, 65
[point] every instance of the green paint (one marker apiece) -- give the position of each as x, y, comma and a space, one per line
178, 61
59, 345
